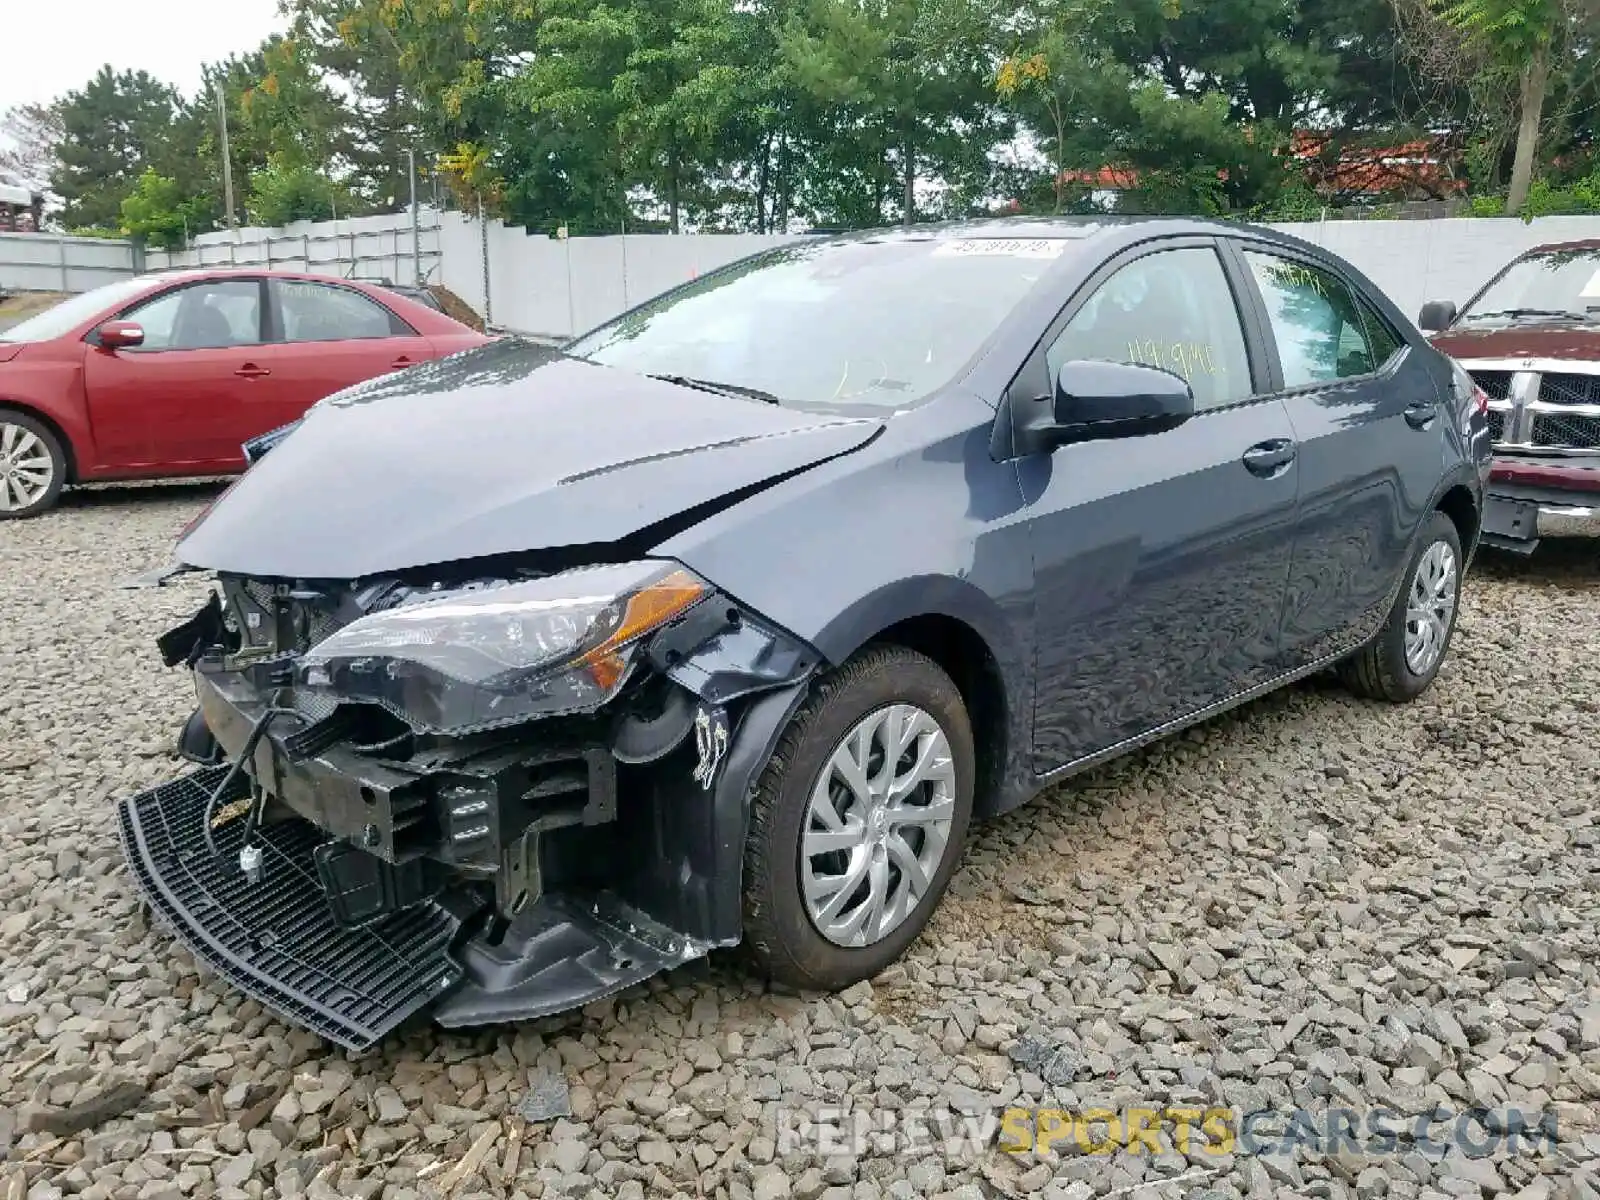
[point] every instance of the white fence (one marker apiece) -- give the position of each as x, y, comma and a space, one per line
541, 285
384, 247
44, 262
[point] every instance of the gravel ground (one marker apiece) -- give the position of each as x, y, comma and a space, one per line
1316, 903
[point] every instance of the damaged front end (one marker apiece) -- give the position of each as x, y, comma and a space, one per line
483, 799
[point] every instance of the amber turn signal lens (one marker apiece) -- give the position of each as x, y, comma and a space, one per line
606, 671
646, 609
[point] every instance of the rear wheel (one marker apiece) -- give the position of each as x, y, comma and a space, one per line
33, 467
858, 821
1400, 663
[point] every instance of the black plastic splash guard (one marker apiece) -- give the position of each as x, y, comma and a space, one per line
277, 939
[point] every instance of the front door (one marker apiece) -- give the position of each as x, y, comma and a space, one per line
1160, 561
1367, 419
178, 400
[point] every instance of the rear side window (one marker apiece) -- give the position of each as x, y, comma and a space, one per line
1381, 335
1319, 326
318, 312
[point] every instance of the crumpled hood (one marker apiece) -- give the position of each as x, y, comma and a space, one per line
509, 448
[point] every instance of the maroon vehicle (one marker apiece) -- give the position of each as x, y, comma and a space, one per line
1531, 340
165, 376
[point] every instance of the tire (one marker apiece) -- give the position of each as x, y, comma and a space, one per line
33, 467
1381, 670
788, 945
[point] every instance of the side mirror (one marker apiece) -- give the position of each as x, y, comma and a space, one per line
1436, 315
119, 335
1106, 400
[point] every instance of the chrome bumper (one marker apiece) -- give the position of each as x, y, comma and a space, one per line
1567, 520
1512, 523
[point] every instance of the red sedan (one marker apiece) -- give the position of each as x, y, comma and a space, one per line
166, 376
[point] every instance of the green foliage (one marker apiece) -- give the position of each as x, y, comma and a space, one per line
286, 190
607, 115
112, 130
160, 213
1546, 199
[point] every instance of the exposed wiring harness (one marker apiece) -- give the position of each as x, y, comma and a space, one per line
246, 753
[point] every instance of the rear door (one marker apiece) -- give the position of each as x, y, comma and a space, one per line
1367, 419
330, 337
179, 400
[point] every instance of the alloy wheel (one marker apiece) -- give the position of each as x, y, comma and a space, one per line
26, 469
1430, 607
877, 826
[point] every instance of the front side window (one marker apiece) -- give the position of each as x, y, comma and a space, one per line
318, 312
877, 322
1320, 331
204, 316
1172, 309
1559, 284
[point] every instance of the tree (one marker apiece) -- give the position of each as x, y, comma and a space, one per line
905, 85
160, 213
286, 190
112, 129
29, 136
359, 43
1042, 77
1517, 37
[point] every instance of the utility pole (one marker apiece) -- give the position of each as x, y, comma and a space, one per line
416, 233
227, 158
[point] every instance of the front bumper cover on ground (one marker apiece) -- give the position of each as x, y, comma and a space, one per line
278, 940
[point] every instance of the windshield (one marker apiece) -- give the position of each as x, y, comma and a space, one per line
879, 322
72, 312
1556, 283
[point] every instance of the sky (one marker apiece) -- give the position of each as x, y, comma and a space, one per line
48, 47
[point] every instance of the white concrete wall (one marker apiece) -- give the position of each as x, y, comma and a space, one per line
541, 285
381, 247
46, 262
1416, 261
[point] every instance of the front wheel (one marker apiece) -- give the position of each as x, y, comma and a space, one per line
858, 821
1402, 660
32, 466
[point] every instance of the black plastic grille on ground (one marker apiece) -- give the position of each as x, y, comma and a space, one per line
277, 939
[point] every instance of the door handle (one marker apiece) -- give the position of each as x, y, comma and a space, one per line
251, 371
400, 363
1420, 414
1269, 459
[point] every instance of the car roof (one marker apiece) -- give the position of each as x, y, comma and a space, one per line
1079, 228
189, 273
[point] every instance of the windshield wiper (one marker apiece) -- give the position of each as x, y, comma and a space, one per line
721, 389
1514, 313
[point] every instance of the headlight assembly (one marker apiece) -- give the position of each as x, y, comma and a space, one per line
470, 660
